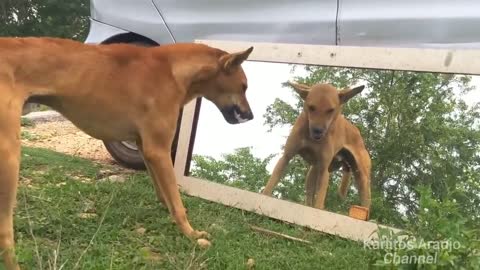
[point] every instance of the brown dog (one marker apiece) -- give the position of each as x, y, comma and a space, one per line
113, 92
326, 140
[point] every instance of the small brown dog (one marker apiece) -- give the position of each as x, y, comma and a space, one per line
327, 141
113, 92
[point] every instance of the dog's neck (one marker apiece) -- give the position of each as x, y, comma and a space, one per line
190, 70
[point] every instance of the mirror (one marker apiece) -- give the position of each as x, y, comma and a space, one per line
421, 131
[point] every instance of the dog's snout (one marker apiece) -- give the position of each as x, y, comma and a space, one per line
317, 133
243, 116
234, 115
247, 115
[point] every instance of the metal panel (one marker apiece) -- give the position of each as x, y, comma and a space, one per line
287, 21
409, 23
99, 32
137, 16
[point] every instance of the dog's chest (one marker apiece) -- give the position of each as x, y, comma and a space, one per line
309, 151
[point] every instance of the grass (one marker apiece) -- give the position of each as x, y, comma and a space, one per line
25, 122
66, 219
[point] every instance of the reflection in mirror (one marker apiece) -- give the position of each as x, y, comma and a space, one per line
421, 131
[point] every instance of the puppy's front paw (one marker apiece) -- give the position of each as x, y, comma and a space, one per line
199, 234
267, 192
203, 243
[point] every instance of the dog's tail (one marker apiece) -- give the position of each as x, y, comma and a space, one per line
345, 184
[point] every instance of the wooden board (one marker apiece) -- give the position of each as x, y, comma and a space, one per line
320, 220
433, 60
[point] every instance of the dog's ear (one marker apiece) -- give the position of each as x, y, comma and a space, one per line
204, 73
229, 62
348, 93
301, 89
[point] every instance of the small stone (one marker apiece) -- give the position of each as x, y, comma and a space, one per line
113, 179
141, 231
87, 215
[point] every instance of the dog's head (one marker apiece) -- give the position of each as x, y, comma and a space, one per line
322, 105
227, 88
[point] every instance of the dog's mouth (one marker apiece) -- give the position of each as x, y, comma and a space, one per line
316, 137
233, 115
317, 134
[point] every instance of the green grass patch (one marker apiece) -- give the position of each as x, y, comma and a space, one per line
25, 122
61, 206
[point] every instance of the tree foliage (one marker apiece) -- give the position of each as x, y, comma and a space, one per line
239, 169
55, 18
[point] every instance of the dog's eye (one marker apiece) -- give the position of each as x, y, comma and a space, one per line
329, 111
311, 108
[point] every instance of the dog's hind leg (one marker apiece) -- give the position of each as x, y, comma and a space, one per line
10, 112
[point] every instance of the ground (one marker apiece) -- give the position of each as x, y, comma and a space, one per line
64, 137
70, 215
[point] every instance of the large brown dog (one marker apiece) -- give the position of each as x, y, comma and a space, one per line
113, 92
327, 141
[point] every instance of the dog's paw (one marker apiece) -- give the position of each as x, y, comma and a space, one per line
199, 234
203, 243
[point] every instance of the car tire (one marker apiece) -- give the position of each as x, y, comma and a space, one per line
126, 153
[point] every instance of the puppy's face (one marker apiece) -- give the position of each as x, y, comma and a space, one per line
322, 105
227, 90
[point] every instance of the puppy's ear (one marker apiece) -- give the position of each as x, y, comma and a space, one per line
301, 89
348, 93
229, 62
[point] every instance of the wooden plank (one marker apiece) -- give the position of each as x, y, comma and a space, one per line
320, 220
428, 60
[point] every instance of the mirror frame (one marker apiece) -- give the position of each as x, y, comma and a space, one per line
407, 59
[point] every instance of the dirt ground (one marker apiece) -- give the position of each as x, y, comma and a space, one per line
64, 137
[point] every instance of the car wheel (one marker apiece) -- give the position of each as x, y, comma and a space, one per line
126, 152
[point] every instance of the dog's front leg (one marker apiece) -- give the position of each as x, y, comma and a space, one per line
158, 190
277, 174
10, 112
156, 154
310, 184
322, 186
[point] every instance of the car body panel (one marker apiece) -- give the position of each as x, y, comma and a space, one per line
136, 16
409, 23
286, 21
100, 32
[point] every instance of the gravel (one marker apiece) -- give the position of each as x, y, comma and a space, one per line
52, 131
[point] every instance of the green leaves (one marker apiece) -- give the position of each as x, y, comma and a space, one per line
239, 169
55, 18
